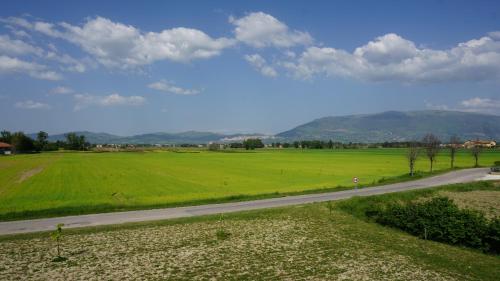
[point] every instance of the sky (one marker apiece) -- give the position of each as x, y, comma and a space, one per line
132, 67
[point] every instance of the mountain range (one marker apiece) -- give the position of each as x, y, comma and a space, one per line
398, 126
369, 128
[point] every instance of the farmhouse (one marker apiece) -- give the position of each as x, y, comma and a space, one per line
5, 148
481, 143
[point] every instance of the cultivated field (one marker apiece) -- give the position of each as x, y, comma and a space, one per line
305, 242
68, 183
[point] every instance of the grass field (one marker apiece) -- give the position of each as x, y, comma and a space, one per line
60, 183
306, 242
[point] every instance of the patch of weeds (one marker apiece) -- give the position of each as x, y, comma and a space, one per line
222, 233
59, 259
329, 206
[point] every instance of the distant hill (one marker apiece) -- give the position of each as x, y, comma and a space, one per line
397, 126
191, 137
369, 128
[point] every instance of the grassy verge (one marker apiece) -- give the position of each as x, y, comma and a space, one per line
107, 208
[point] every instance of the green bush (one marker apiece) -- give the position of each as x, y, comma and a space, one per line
441, 220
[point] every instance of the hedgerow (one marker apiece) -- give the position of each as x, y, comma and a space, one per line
441, 220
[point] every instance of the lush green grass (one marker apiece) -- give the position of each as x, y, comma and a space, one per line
71, 183
293, 243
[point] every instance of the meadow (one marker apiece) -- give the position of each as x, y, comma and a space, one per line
305, 242
61, 183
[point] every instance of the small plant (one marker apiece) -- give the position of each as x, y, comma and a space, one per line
222, 233
56, 236
329, 206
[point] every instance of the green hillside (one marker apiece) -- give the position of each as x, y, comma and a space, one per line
398, 126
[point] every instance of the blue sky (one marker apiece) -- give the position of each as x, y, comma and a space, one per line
239, 66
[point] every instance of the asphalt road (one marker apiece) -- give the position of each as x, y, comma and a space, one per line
36, 225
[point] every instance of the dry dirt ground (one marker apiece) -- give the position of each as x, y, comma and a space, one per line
294, 243
486, 201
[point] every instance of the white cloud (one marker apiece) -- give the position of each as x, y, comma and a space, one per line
169, 87
29, 104
114, 44
60, 90
494, 34
17, 22
85, 100
10, 46
478, 104
262, 30
259, 63
9, 65
393, 58
68, 63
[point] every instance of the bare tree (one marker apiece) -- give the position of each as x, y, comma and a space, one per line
475, 151
412, 155
454, 144
432, 145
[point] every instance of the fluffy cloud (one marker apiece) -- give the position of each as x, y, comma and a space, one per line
263, 30
29, 104
478, 104
259, 63
393, 58
85, 100
10, 46
115, 44
168, 87
9, 65
60, 90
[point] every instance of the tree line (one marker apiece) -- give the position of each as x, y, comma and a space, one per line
430, 146
23, 143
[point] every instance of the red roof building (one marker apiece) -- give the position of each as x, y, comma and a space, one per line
5, 148
5, 145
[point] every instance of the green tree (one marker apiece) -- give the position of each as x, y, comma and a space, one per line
22, 143
41, 140
6, 136
75, 142
251, 144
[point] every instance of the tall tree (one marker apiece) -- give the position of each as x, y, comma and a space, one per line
6, 136
41, 140
432, 145
412, 155
75, 142
454, 145
475, 151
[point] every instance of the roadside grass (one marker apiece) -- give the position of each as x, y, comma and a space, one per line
83, 183
293, 243
358, 206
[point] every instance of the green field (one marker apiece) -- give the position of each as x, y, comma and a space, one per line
59, 183
306, 242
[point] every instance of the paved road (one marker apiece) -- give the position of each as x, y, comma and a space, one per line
37, 225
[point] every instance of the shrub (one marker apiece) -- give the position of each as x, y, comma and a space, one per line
441, 220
